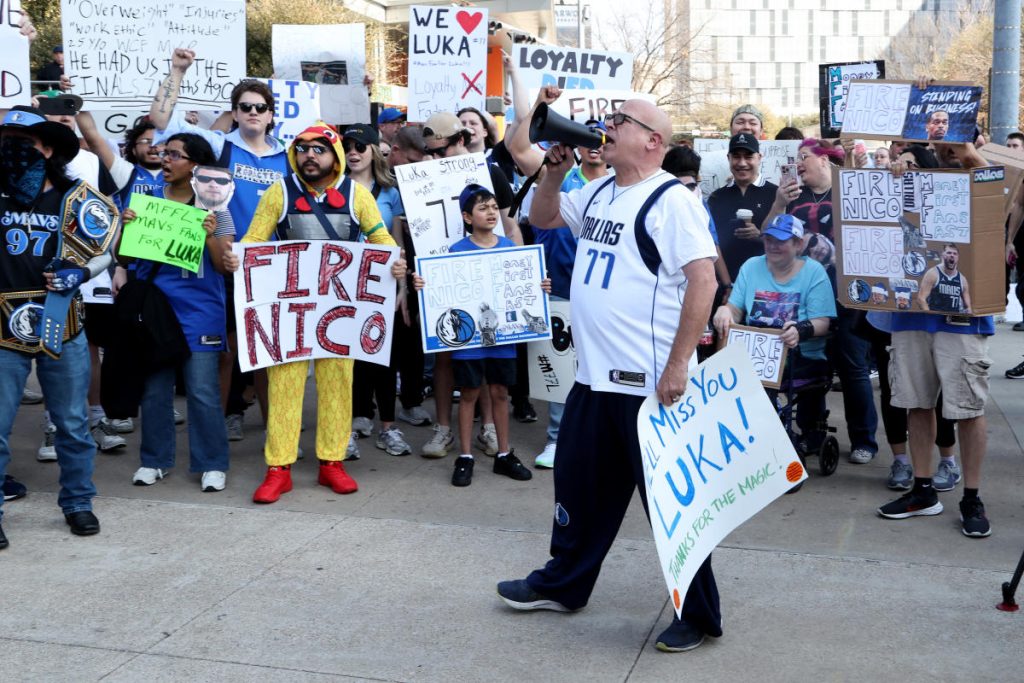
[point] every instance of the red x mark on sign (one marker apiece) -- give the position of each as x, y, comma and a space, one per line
472, 84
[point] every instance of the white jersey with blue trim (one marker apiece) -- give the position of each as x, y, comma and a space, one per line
628, 283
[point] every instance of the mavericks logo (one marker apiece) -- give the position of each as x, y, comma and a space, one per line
455, 327
25, 322
94, 219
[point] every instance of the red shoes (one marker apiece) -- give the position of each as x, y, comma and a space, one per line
333, 476
277, 481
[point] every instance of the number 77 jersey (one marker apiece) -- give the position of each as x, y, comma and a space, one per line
628, 285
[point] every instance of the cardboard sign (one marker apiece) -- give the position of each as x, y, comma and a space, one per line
332, 56
926, 241
303, 300
447, 60
165, 231
553, 363
714, 160
118, 52
833, 82
296, 107
1013, 161
711, 462
898, 110
583, 105
430, 194
766, 351
15, 76
483, 298
573, 69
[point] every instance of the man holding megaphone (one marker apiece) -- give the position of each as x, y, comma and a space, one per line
642, 288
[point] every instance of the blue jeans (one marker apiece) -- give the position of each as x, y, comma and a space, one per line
207, 436
853, 357
555, 411
65, 384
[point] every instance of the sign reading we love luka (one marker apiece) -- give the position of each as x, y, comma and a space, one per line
447, 60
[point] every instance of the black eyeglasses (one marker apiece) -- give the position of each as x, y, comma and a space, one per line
220, 180
439, 151
347, 145
260, 107
315, 149
620, 117
173, 155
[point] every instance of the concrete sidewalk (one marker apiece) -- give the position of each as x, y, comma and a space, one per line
396, 582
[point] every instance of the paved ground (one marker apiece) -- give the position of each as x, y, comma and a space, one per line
396, 582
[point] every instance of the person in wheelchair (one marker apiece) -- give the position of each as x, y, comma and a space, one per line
791, 292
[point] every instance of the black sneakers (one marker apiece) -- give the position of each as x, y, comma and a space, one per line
511, 466
463, 474
679, 637
1016, 372
973, 521
911, 505
523, 411
518, 595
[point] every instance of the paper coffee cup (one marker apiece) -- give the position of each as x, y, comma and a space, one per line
745, 214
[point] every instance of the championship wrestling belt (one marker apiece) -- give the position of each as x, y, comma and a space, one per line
21, 320
89, 221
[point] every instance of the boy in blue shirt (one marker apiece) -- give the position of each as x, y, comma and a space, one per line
493, 365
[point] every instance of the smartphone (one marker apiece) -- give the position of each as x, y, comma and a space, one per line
789, 171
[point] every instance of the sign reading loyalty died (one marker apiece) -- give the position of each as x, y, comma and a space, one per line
302, 300
165, 231
573, 69
447, 60
118, 52
711, 461
766, 350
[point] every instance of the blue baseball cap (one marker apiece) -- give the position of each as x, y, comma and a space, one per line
468, 194
390, 115
785, 227
595, 123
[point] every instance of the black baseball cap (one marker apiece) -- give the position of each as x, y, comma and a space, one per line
744, 141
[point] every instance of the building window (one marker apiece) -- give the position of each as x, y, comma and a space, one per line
778, 71
785, 23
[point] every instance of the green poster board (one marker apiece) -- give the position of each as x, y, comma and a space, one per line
165, 231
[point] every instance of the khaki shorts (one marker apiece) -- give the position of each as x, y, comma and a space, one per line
923, 363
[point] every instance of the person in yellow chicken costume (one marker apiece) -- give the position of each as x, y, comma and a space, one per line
315, 201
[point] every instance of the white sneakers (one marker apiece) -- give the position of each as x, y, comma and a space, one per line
214, 481
487, 440
439, 443
546, 459
362, 427
47, 452
125, 426
147, 476
106, 437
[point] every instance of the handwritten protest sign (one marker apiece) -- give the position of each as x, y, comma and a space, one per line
573, 69
871, 195
766, 350
873, 251
333, 56
296, 106
303, 300
711, 461
875, 108
583, 105
714, 160
833, 82
430, 194
165, 231
447, 60
945, 201
117, 52
483, 298
898, 110
14, 70
553, 363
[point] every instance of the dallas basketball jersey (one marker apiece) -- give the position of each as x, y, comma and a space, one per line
947, 294
627, 284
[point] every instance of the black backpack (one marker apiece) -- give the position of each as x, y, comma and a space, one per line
147, 325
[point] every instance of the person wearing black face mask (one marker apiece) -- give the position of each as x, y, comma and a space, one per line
56, 234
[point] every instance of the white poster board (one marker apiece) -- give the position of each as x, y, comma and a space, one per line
117, 53
296, 107
447, 60
872, 250
573, 68
945, 203
331, 55
871, 195
766, 351
307, 299
711, 461
430, 194
583, 105
876, 108
15, 76
714, 160
483, 298
552, 363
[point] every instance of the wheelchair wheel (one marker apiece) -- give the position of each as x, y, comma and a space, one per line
828, 456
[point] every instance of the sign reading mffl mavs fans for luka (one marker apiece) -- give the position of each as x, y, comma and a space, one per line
711, 461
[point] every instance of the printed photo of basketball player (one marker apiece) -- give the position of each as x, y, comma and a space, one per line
213, 186
902, 298
879, 294
944, 288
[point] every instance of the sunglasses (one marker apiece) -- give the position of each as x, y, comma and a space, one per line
619, 118
173, 155
248, 107
347, 145
315, 149
438, 151
206, 179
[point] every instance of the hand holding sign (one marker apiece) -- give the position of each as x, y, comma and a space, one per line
164, 231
